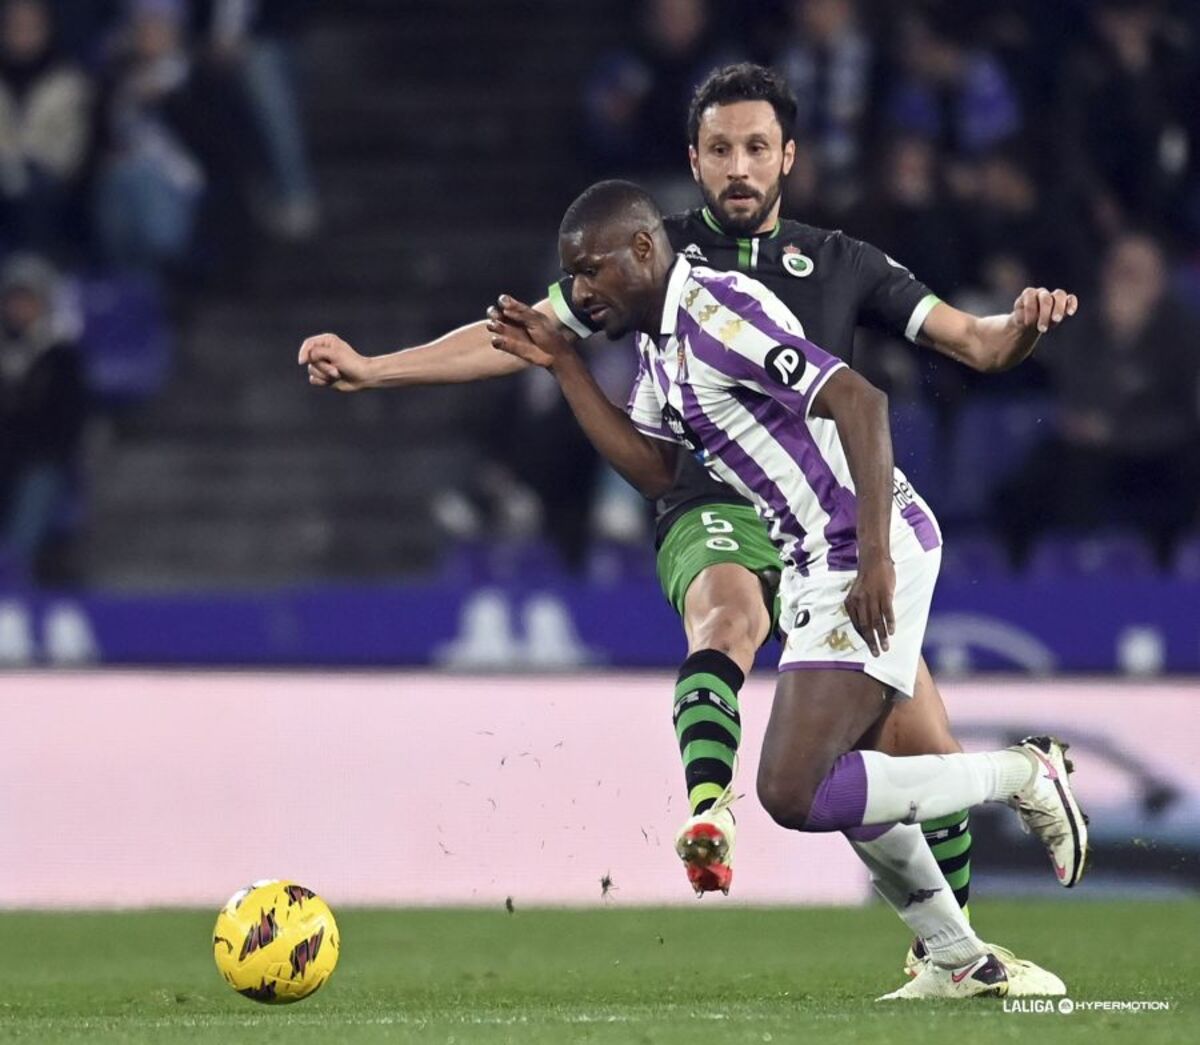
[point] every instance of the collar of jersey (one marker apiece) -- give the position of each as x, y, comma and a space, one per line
708, 219
681, 272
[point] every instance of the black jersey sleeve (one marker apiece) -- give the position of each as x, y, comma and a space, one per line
891, 297
578, 322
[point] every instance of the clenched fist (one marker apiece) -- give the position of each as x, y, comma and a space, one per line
332, 363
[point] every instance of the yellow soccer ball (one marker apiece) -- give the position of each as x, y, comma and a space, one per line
275, 942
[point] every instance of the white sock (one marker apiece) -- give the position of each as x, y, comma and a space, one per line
924, 787
907, 876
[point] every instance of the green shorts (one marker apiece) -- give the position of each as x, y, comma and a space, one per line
716, 533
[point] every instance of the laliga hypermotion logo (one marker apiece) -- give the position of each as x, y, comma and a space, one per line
306, 951
260, 935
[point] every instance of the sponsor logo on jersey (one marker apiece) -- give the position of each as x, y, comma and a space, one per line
681, 429
786, 364
694, 253
902, 493
730, 330
839, 641
796, 263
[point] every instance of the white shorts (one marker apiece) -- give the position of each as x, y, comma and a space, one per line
819, 632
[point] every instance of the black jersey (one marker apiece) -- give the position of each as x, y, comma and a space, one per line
829, 281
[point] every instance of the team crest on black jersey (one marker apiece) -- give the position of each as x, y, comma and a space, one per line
694, 253
796, 263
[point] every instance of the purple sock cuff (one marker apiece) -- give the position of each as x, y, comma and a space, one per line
841, 799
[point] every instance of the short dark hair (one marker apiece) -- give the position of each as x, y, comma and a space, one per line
744, 82
607, 201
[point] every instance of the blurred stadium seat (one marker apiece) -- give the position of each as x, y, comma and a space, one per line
612, 562
973, 557
991, 440
1187, 559
531, 562
127, 344
1117, 554
915, 435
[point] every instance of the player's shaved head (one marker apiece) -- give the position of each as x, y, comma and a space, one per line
613, 245
611, 203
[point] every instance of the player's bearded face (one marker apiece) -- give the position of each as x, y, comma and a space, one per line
740, 161
740, 208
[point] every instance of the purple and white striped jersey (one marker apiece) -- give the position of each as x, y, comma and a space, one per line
732, 377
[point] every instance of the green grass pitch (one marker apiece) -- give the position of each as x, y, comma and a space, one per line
709, 973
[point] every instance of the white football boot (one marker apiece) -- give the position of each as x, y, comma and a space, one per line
982, 977
1026, 979
1048, 808
705, 845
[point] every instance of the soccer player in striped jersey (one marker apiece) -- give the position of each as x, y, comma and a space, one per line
726, 372
715, 561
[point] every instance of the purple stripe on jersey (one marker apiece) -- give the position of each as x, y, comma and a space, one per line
711, 351
663, 381
923, 528
725, 290
796, 440
822, 665
734, 457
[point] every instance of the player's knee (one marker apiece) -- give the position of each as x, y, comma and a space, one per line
727, 630
786, 798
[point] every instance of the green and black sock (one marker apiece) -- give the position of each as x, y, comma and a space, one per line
707, 724
949, 839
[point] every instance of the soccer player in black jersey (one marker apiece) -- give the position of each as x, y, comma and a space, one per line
715, 561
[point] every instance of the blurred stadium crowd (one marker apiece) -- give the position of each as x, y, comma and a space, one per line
135, 137
147, 146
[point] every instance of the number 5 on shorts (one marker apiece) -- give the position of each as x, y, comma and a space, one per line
716, 526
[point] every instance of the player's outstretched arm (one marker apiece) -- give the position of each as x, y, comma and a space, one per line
647, 464
993, 343
860, 411
465, 354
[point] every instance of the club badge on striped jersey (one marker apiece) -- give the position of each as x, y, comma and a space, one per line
796, 263
681, 370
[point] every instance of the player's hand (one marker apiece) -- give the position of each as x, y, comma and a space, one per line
332, 363
1037, 308
526, 333
869, 603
